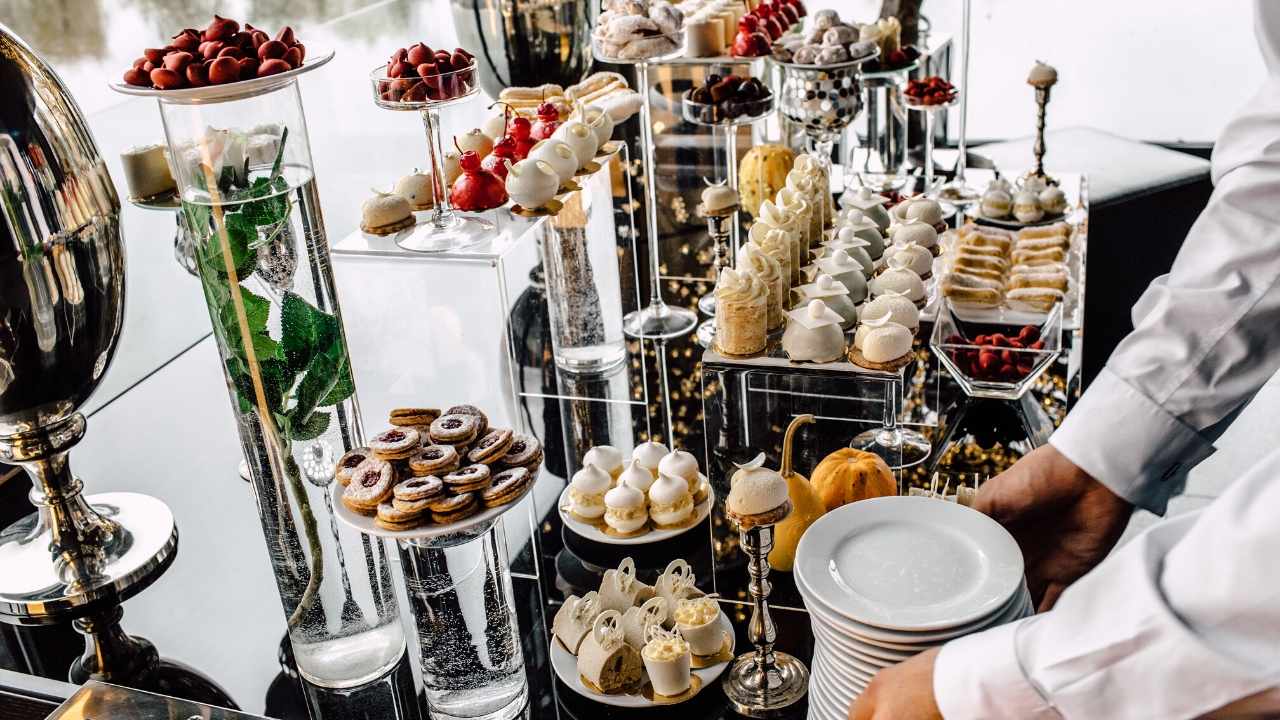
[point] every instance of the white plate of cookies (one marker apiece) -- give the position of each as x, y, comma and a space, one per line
622, 646
434, 473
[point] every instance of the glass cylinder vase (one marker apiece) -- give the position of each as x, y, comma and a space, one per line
251, 208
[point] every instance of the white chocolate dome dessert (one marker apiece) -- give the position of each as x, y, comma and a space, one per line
813, 334
600, 122
718, 199
587, 489
531, 183
625, 510
844, 269
670, 501
900, 281
605, 457
913, 257
855, 248
917, 232
898, 307
924, 210
831, 292
580, 139
855, 224
881, 344
757, 495
558, 155
416, 188
871, 205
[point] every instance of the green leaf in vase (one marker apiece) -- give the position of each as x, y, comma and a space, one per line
311, 428
305, 331
343, 388
317, 382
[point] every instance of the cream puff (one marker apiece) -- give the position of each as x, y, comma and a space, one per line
667, 659
996, 203
625, 510
587, 491
683, 465
636, 476
606, 457
698, 621
670, 501
649, 454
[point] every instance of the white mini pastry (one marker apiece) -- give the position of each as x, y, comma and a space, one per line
605, 659
580, 139
385, 211
1026, 207
813, 334
768, 271
683, 465
1053, 200
915, 258
881, 340
531, 183
755, 490
854, 224
495, 126
676, 583
775, 244
1042, 75
573, 621
587, 489
649, 454
636, 476
917, 232
600, 122
667, 660
416, 188
452, 167
871, 205
625, 509
698, 620
605, 457
997, 203
146, 171
855, 248
899, 308
831, 292
670, 500
636, 620
845, 269
619, 588
718, 198
925, 210
900, 280
1034, 184
558, 155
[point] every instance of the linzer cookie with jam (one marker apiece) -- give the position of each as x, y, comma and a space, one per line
395, 444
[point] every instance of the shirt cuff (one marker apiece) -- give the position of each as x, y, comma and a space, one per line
1130, 443
979, 676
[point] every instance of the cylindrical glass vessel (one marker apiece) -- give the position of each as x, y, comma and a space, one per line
878, 160
459, 587
249, 200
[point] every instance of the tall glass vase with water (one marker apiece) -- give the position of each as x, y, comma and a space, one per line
251, 207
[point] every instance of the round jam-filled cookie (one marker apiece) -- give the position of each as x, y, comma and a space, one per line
411, 507
491, 447
418, 488
434, 460
455, 429
454, 508
370, 484
349, 462
395, 444
525, 452
402, 417
507, 486
474, 412
471, 477
392, 518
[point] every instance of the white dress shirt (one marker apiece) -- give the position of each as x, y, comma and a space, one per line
1184, 620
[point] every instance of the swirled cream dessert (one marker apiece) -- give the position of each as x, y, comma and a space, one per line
755, 261
776, 218
797, 206
775, 244
741, 313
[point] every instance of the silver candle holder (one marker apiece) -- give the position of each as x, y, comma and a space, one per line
763, 682
1042, 78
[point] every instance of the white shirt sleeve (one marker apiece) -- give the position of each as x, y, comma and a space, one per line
1181, 622
1205, 335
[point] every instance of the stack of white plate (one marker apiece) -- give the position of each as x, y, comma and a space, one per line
887, 578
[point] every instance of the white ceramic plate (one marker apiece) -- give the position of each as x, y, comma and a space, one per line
593, 533
848, 677
243, 88
837, 690
909, 563
821, 702
852, 628
566, 667
366, 524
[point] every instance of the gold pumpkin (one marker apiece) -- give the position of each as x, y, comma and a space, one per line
761, 174
849, 475
806, 506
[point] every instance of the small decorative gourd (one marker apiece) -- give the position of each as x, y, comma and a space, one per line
806, 506
849, 475
762, 173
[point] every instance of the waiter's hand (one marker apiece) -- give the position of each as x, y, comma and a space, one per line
901, 692
1065, 521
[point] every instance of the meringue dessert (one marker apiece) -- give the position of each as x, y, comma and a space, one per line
385, 214
742, 305
997, 203
649, 455
573, 621
757, 495
1026, 207
913, 257
881, 344
531, 184
698, 620
606, 457
1053, 200
813, 334
636, 476
844, 269
667, 660
416, 188
625, 511
587, 488
899, 308
760, 264
683, 465
146, 172
831, 292
605, 660
670, 501
900, 280
637, 619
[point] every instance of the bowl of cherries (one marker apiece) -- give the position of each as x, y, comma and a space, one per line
418, 75
729, 99
995, 359
930, 91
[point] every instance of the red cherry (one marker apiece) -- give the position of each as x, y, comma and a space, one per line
495, 162
520, 129
506, 147
748, 24
470, 161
